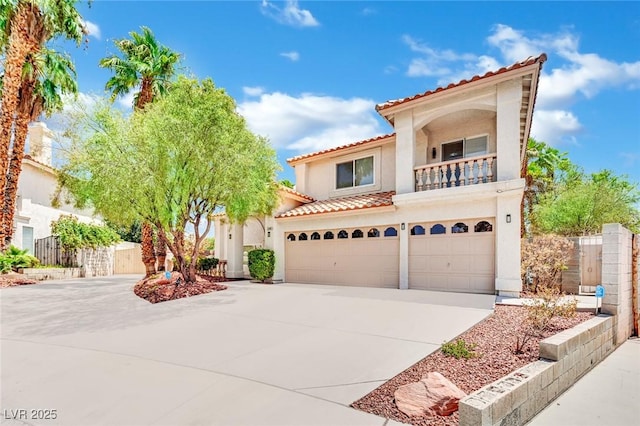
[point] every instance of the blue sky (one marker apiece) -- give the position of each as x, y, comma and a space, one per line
308, 74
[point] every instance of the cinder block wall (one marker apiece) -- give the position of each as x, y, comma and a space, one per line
616, 279
518, 397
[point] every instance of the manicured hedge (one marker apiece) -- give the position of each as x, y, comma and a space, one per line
261, 264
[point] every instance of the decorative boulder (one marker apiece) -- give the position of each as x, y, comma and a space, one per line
433, 395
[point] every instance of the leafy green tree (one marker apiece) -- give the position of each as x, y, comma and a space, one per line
25, 27
149, 65
131, 232
287, 183
188, 154
546, 166
581, 204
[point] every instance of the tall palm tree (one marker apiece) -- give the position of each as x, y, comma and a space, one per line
149, 66
46, 77
26, 25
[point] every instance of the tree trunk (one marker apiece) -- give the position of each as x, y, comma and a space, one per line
18, 49
161, 252
148, 255
15, 166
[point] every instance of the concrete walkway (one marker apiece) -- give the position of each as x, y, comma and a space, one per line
607, 395
284, 354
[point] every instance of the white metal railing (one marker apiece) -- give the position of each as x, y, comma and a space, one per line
460, 172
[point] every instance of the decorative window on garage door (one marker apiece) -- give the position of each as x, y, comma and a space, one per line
483, 226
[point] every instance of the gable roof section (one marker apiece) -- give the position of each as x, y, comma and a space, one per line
529, 61
371, 141
344, 204
297, 195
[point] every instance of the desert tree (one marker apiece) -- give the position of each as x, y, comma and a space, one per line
185, 157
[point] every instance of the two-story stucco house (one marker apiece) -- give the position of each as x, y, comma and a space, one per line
434, 205
36, 187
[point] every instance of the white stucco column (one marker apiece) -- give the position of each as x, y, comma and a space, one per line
301, 177
222, 237
235, 253
405, 152
508, 280
509, 98
277, 241
404, 256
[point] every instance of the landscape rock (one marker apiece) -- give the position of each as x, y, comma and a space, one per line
433, 395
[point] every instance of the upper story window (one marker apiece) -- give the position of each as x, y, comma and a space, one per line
354, 173
469, 147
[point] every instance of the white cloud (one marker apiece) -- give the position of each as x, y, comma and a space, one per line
253, 91
92, 29
578, 75
126, 101
555, 126
310, 122
290, 14
630, 158
368, 11
293, 56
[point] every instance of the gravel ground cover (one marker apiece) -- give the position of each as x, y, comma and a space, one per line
13, 280
495, 338
157, 288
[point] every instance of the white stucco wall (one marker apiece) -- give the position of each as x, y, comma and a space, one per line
36, 187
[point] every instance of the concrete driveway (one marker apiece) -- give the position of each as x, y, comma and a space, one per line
286, 354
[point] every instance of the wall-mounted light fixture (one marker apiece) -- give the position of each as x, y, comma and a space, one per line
508, 218
268, 233
229, 235
433, 153
402, 226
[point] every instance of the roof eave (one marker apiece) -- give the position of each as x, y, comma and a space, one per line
375, 142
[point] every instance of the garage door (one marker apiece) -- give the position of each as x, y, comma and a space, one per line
453, 256
352, 256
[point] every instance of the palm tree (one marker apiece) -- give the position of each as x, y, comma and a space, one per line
46, 77
149, 66
543, 163
26, 25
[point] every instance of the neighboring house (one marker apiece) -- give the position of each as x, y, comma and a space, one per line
435, 205
36, 187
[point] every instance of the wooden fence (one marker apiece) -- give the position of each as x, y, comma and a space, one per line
49, 252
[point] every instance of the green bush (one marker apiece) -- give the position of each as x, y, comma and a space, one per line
261, 264
207, 263
73, 234
13, 258
459, 349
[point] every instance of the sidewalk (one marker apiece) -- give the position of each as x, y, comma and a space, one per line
607, 395
585, 303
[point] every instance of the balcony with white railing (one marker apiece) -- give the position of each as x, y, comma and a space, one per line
460, 172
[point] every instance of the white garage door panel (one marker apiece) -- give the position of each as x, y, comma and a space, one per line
368, 262
463, 262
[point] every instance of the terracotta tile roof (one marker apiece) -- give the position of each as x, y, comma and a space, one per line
296, 193
339, 148
529, 61
354, 202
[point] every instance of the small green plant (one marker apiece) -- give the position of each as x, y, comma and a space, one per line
13, 258
261, 264
459, 349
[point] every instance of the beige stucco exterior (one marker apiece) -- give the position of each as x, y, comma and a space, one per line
36, 188
497, 106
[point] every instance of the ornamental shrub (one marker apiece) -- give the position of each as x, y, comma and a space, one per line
73, 234
261, 264
13, 258
207, 263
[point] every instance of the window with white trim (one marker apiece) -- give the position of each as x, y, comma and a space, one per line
354, 173
468, 147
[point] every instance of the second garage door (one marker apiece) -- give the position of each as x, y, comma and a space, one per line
453, 256
352, 256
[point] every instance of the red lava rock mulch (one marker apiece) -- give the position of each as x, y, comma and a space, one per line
14, 280
495, 338
157, 288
